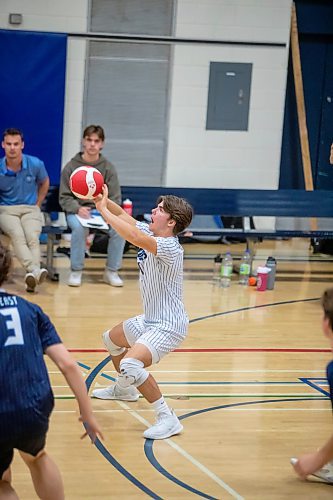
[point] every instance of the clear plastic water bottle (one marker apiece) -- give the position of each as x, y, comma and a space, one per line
226, 270
271, 263
245, 268
217, 269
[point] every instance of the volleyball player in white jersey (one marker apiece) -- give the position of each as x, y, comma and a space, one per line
140, 341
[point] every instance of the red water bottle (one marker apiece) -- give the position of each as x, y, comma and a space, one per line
128, 206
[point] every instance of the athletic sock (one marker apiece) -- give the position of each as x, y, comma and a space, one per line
160, 406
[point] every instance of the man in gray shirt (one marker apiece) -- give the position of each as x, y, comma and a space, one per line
93, 142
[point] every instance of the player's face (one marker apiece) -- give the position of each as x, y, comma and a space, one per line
326, 326
13, 146
160, 220
92, 145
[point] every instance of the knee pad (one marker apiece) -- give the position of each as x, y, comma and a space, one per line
113, 349
132, 372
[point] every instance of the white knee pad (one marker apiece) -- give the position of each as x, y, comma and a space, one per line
132, 372
113, 349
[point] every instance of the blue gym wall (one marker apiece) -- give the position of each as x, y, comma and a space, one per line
315, 26
32, 91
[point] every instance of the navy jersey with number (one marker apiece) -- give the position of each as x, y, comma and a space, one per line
25, 390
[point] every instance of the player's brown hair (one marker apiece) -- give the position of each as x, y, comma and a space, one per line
179, 210
327, 305
94, 129
5, 263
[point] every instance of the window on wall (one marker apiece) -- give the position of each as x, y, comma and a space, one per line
136, 17
127, 87
229, 96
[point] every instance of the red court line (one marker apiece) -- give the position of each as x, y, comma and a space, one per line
236, 349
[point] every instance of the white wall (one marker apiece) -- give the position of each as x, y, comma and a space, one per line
59, 16
195, 157
228, 159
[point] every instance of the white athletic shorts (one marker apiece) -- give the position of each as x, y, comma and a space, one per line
156, 338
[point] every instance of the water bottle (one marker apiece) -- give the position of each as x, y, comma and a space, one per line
271, 263
128, 206
217, 270
245, 268
226, 270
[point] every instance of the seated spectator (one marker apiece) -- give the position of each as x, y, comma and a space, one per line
24, 183
92, 142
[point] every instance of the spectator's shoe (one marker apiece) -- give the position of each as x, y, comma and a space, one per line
167, 425
30, 282
325, 473
75, 278
42, 275
112, 278
114, 392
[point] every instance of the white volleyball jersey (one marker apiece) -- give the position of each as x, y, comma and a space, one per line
161, 283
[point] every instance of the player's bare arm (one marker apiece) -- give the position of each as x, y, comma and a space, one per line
69, 368
129, 232
42, 191
125, 226
112, 206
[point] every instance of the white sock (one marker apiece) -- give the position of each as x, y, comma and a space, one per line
160, 406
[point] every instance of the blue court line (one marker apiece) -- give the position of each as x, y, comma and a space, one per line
308, 382
106, 453
302, 381
108, 377
252, 307
86, 367
148, 447
152, 459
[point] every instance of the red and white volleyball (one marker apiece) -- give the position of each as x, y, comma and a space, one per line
86, 182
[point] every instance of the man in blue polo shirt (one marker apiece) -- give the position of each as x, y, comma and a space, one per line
24, 183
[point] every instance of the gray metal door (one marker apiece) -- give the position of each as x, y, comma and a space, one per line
229, 96
127, 94
127, 86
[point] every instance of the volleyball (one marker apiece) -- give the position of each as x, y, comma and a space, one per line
86, 182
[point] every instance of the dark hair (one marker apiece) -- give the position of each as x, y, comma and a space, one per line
327, 305
179, 210
12, 131
94, 129
5, 263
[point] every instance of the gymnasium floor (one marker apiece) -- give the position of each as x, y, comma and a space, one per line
248, 383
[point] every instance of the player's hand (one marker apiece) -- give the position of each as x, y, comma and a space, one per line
308, 464
331, 155
92, 428
101, 199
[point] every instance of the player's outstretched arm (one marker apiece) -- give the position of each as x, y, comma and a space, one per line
103, 201
311, 462
125, 226
69, 368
